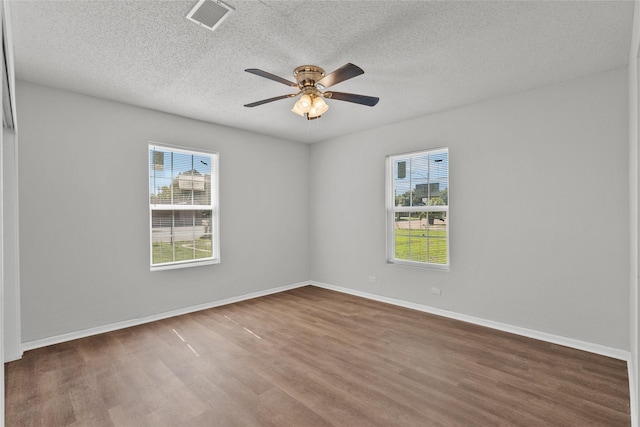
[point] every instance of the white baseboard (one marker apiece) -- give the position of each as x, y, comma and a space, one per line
543, 336
530, 333
30, 345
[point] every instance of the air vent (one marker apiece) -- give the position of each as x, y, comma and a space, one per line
209, 13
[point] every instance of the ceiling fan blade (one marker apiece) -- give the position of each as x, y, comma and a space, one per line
264, 101
343, 73
270, 76
352, 97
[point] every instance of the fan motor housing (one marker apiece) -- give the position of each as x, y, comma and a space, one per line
308, 75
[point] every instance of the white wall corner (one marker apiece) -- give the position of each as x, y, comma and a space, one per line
11, 326
634, 218
11, 251
2, 385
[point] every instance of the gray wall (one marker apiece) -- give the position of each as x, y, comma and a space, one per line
539, 210
84, 222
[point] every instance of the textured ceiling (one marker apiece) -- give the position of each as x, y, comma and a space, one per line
419, 57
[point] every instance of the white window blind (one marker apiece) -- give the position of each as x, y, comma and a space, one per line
183, 207
418, 208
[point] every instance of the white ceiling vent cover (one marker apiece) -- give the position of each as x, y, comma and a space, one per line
209, 13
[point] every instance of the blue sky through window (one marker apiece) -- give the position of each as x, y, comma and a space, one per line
426, 175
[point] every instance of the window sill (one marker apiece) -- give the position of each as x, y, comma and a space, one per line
184, 264
424, 265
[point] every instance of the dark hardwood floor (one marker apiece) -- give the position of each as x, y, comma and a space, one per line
313, 357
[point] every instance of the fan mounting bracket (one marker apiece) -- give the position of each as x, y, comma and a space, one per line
308, 75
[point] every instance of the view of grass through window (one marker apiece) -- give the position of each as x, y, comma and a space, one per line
423, 242
181, 250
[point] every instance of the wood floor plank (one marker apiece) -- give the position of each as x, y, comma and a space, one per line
313, 357
280, 409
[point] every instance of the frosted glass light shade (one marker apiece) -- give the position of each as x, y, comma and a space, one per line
305, 103
296, 109
310, 106
319, 107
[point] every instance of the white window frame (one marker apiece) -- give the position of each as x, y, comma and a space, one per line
214, 207
391, 210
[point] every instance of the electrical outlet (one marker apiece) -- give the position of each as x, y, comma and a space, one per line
436, 291
373, 279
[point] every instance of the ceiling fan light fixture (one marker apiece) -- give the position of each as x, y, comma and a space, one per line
304, 103
296, 109
319, 108
311, 81
320, 105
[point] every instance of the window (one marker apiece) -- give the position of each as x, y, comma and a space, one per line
418, 209
183, 207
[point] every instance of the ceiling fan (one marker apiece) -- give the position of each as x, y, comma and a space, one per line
312, 83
